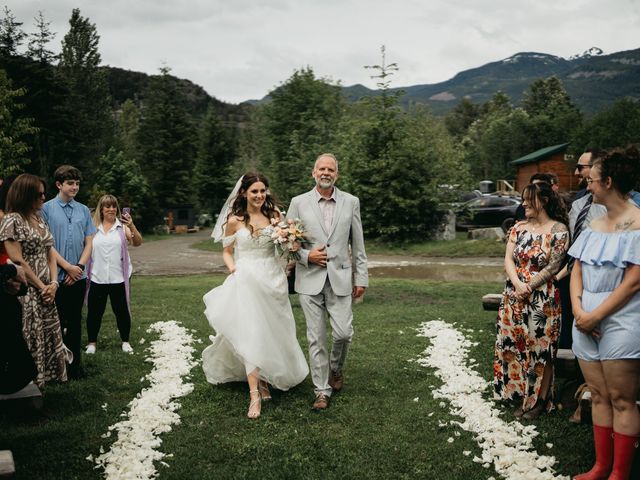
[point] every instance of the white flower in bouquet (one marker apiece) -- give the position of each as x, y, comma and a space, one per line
286, 236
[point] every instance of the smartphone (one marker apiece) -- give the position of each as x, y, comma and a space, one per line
126, 211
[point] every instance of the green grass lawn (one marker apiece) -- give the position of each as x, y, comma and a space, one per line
373, 428
460, 247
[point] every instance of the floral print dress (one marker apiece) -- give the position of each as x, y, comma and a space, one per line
527, 332
40, 322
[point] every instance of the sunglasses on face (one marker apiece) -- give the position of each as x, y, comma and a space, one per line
579, 167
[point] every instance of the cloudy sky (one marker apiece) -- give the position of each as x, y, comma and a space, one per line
240, 49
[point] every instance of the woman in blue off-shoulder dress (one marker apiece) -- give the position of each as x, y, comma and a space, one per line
605, 294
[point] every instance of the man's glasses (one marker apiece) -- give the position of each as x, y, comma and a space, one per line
580, 166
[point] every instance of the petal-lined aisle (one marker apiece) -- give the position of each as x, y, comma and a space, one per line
153, 411
508, 445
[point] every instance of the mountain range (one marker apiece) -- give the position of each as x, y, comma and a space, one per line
592, 79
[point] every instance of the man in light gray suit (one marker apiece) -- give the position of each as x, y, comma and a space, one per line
332, 270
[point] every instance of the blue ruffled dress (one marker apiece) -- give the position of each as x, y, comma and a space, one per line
604, 257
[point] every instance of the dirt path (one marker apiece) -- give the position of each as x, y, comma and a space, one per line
175, 256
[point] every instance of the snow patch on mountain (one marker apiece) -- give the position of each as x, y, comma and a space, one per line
592, 52
531, 56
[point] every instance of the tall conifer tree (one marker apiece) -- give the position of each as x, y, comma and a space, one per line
11, 34
86, 110
38, 41
215, 156
167, 142
13, 149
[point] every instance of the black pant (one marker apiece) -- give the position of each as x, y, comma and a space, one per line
98, 293
69, 301
567, 313
17, 367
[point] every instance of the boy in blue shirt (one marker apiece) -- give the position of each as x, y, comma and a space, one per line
72, 227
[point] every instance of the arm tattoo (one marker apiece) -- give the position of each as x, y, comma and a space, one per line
556, 258
623, 225
558, 227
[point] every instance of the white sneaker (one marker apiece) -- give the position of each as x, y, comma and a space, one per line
91, 349
126, 347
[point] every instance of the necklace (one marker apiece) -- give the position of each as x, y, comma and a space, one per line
36, 221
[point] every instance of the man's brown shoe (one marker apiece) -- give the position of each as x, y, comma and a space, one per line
321, 402
336, 380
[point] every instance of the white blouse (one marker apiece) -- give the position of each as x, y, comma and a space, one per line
106, 266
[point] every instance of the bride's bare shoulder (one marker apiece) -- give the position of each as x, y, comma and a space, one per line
233, 224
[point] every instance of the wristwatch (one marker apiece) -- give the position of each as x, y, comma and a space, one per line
81, 266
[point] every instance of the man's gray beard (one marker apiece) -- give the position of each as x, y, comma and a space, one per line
324, 183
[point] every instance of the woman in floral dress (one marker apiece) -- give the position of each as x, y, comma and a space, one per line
528, 323
29, 242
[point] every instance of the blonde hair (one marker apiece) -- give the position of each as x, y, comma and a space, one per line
105, 201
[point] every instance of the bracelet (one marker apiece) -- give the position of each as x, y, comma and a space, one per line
80, 266
56, 282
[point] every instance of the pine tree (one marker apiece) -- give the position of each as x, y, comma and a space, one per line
122, 177
39, 40
127, 128
166, 142
215, 156
395, 162
11, 35
13, 148
300, 123
86, 110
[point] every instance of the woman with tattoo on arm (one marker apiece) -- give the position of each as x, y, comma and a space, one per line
605, 294
528, 323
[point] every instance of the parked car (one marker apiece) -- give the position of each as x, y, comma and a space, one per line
488, 211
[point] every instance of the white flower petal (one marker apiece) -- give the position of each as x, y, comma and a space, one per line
506, 445
153, 411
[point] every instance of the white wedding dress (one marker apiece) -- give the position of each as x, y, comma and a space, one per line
252, 317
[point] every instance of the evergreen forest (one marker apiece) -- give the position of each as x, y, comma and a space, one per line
156, 141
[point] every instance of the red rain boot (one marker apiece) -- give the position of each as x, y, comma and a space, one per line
603, 439
624, 447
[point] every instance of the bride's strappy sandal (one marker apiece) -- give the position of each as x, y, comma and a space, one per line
263, 387
258, 401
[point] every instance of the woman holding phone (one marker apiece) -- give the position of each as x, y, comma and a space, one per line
110, 269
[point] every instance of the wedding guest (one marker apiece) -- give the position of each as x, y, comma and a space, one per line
547, 177
29, 243
110, 270
4, 189
583, 211
17, 368
72, 229
528, 322
605, 293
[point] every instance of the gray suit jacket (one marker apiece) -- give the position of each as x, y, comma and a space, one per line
345, 268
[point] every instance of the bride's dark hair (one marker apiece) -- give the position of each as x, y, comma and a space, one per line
239, 208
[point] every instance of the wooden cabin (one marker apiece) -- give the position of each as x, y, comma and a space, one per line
180, 216
550, 159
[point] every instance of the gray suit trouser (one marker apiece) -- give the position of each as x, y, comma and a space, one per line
316, 309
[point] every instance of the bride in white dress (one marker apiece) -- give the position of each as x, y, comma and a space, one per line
250, 312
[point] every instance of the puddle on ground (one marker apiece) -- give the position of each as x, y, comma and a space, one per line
448, 273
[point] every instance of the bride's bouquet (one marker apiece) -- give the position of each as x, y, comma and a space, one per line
286, 235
